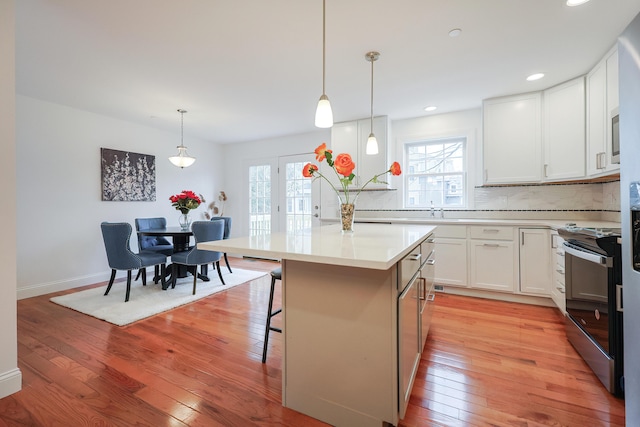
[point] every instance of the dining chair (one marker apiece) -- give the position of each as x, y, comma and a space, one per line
152, 243
203, 231
116, 237
227, 233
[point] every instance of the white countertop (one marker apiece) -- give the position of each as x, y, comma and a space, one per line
375, 246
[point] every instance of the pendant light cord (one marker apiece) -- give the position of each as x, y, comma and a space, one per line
372, 60
323, 43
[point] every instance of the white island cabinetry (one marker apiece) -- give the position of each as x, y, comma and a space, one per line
349, 352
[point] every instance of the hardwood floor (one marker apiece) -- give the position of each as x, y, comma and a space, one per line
486, 363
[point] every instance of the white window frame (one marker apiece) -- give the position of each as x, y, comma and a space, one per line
464, 139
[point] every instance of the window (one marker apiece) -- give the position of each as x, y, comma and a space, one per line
435, 173
259, 199
297, 197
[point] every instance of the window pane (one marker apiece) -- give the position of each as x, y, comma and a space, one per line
435, 173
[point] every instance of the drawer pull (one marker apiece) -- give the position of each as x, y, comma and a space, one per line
491, 245
560, 271
490, 230
561, 289
560, 253
431, 240
415, 257
431, 261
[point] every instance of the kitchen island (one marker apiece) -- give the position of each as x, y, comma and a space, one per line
351, 328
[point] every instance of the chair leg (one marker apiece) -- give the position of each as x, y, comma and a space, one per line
144, 277
227, 262
156, 271
269, 315
174, 274
219, 272
126, 298
195, 279
163, 271
113, 276
138, 275
204, 269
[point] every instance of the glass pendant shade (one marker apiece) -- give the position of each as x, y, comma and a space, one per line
372, 145
324, 115
182, 159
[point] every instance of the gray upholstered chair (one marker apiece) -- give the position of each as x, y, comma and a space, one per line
203, 231
152, 243
227, 233
116, 236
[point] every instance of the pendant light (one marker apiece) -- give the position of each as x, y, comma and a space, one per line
372, 142
182, 159
324, 115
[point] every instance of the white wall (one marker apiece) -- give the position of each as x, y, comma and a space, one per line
59, 190
10, 375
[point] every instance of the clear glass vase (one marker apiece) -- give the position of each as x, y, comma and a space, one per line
347, 215
185, 221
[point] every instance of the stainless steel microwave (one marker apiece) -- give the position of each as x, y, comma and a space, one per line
615, 136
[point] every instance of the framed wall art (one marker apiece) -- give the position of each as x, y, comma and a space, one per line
127, 176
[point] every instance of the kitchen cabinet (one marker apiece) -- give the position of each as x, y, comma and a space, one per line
512, 139
564, 131
493, 258
557, 263
351, 137
602, 100
535, 268
451, 246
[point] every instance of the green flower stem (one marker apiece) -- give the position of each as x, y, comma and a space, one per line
374, 179
317, 172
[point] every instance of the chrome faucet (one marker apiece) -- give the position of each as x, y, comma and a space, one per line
433, 210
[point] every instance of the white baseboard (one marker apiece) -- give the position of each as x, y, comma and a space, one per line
501, 296
62, 285
10, 382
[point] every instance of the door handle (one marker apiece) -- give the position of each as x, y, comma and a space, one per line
316, 215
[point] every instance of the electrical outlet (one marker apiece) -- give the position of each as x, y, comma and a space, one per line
439, 288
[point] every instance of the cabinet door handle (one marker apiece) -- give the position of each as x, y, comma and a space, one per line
491, 245
561, 289
431, 240
559, 271
546, 168
522, 234
619, 306
431, 261
490, 230
560, 253
415, 257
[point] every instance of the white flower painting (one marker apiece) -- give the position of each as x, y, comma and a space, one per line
128, 176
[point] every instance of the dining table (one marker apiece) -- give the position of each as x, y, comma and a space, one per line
180, 238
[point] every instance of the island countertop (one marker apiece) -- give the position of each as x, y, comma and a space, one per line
375, 246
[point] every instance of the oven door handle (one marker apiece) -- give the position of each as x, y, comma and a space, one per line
598, 259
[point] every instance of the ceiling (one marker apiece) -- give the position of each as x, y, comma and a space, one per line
252, 69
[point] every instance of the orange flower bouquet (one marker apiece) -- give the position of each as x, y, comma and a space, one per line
343, 167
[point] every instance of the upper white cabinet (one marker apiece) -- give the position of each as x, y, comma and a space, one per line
602, 101
564, 131
512, 139
351, 137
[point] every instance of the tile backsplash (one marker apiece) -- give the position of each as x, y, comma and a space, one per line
592, 201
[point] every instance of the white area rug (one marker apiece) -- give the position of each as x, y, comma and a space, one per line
146, 301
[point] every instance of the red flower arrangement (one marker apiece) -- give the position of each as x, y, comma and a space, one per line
343, 166
185, 201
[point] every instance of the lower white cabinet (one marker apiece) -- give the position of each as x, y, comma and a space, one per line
493, 258
535, 268
451, 246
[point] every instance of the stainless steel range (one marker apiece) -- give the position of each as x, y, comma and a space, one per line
593, 275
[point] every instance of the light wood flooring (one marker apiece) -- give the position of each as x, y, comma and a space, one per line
486, 363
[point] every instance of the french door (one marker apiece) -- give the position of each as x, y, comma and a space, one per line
299, 197
280, 198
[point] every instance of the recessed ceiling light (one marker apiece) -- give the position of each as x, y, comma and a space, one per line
572, 3
455, 32
536, 76
430, 108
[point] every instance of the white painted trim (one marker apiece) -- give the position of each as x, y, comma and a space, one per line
62, 285
10, 382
